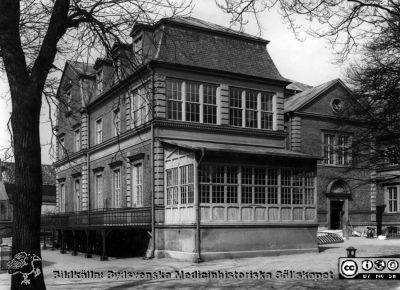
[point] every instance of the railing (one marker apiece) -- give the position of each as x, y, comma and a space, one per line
139, 216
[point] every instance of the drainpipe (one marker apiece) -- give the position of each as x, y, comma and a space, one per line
88, 164
153, 215
198, 217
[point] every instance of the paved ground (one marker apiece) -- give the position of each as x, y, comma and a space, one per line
325, 261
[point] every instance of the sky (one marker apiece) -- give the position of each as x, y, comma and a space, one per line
310, 61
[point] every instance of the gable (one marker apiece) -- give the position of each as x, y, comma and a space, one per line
326, 101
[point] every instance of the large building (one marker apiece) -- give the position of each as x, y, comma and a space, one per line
317, 125
176, 142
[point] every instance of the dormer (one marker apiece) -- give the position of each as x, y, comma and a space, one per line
104, 71
143, 43
121, 59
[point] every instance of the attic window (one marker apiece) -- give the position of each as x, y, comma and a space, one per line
337, 105
99, 80
138, 48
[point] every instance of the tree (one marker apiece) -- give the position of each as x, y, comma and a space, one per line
33, 36
366, 37
346, 24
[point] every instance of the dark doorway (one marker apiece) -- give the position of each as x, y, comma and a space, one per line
336, 214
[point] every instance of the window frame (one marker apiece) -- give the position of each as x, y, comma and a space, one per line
77, 203
117, 191
180, 103
99, 80
137, 195
61, 148
139, 110
255, 107
117, 121
77, 140
339, 153
99, 130
389, 199
99, 186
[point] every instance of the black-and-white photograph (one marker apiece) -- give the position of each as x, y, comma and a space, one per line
178, 144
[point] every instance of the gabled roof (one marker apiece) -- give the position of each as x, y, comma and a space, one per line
299, 100
297, 86
8, 170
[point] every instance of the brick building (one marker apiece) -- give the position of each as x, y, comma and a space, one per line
316, 126
180, 136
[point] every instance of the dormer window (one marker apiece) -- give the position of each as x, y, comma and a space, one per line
99, 81
138, 48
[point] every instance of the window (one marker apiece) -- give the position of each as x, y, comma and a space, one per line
180, 185
117, 122
116, 199
99, 201
174, 100
138, 49
235, 107
392, 200
191, 101
117, 70
251, 109
77, 194
99, 81
77, 140
137, 184
336, 149
267, 111
68, 98
139, 107
209, 104
99, 131
255, 185
61, 148
62, 197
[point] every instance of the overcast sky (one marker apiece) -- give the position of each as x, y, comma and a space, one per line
310, 61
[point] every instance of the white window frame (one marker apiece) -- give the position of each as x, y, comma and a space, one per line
179, 91
257, 110
99, 184
137, 175
117, 121
116, 181
389, 199
78, 194
77, 139
99, 131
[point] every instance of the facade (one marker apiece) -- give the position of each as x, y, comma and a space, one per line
176, 143
316, 126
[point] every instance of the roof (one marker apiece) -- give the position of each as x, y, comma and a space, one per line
297, 86
202, 49
202, 24
82, 68
297, 101
233, 148
8, 170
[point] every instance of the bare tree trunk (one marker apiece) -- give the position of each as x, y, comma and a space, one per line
28, 178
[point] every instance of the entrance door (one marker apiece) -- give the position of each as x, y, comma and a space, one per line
337, 214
